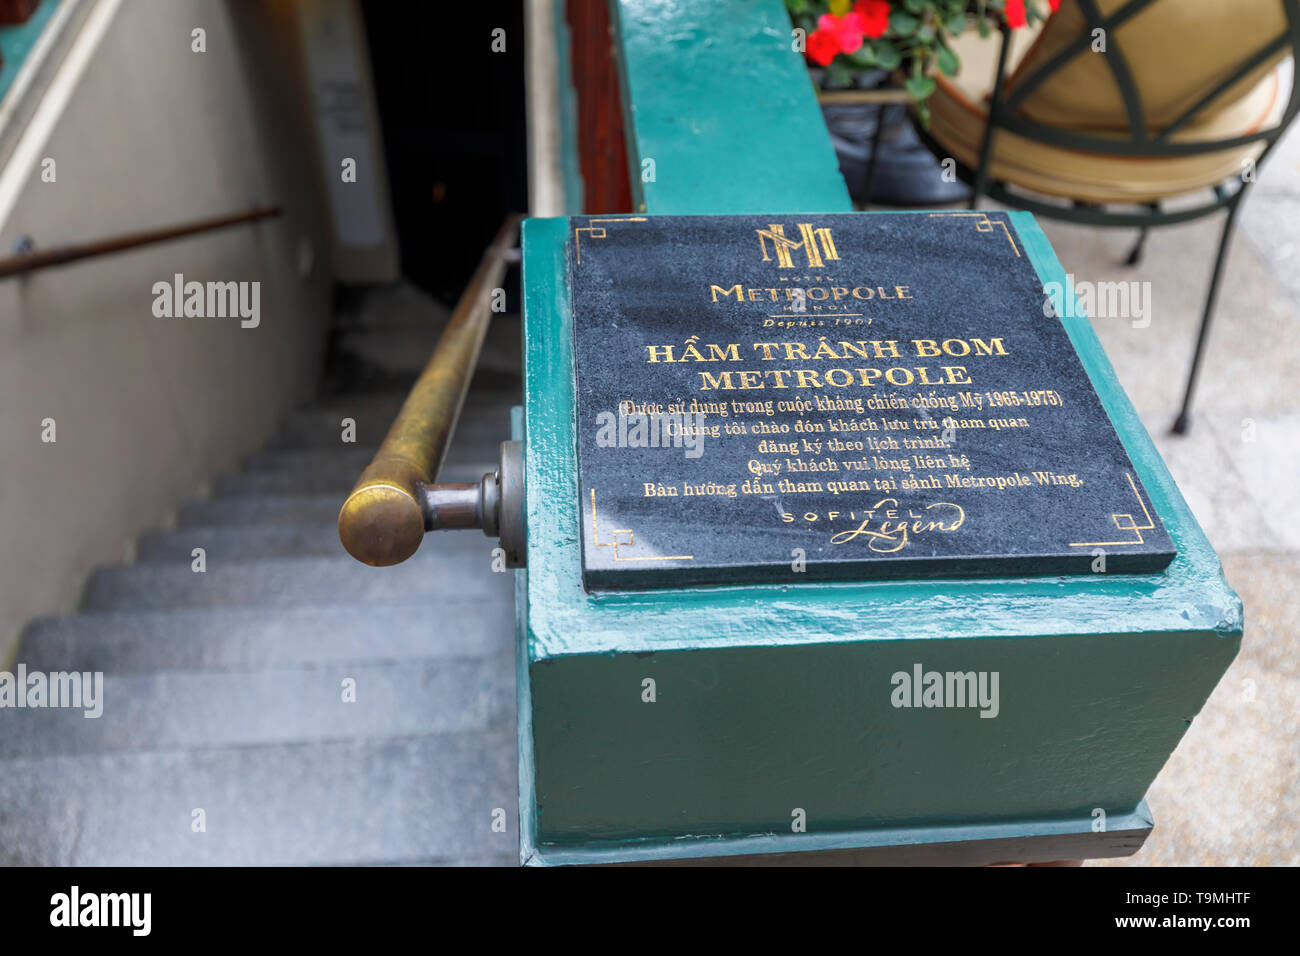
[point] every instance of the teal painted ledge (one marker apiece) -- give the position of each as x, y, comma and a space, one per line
16, 42
718, 101
774, 699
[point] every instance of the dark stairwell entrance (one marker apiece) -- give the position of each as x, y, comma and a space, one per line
287, 705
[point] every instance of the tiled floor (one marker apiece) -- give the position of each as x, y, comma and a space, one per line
1231, 792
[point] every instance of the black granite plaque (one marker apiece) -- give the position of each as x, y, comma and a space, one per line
789, 397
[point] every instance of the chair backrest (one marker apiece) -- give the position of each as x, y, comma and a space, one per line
1156, 67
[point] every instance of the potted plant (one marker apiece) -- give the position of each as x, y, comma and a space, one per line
861, 44
908, 38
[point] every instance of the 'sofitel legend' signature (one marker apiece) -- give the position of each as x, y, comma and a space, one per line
894, 529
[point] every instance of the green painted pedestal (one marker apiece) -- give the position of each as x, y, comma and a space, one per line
772, 729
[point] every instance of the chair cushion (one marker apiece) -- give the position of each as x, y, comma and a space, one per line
1176, 50
959, 111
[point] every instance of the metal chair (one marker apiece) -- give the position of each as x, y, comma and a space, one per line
1006, 115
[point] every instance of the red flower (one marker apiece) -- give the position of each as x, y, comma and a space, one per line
875, 16
1015, 13
1054, 4
847, 30
822, 47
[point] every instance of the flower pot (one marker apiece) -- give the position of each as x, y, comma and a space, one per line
907, 173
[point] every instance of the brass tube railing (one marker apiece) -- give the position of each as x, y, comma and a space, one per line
395, 501
62, 255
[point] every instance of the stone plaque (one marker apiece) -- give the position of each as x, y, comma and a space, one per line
787, 397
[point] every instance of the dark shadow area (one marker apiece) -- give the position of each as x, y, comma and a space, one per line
452, 112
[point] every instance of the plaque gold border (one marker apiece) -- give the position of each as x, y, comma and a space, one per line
1131, 525
595, 232
982, 224
615, 543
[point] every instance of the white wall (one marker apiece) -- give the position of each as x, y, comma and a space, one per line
149, 409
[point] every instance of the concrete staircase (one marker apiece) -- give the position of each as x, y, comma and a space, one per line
224, 690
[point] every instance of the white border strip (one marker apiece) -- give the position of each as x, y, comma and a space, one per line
55, 99
542, 82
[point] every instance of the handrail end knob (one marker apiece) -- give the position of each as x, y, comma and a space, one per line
381, 524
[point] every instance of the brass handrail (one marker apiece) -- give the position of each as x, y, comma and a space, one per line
395, 501
62, 255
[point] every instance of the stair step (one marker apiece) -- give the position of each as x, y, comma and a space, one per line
250, 638
262, 509
464, 447
176, 710
373, 418
392, 348
288, 582
406, 347
323, 428
417, 799
383, 400
328, 479
397, 303
350, 459
223, 544
253, 509
478, 403
304, 461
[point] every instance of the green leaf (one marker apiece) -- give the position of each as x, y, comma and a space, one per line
864, 58
923, 113
914, 6
903, 24
920, 87
955, 25
947, 62
887, 55
838, 73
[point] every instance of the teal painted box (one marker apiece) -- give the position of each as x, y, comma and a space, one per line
772, 729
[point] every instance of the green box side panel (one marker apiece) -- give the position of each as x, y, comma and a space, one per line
737, 740
718, 101
762, 687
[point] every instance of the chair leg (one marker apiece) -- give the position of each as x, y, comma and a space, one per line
1135, 254
869, 186
1184, 421
986, 148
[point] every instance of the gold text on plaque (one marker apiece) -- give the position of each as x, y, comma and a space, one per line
816, 244
895, 530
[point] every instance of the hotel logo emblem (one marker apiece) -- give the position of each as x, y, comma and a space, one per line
815, 243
